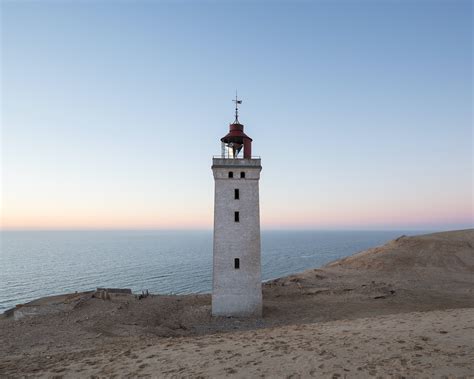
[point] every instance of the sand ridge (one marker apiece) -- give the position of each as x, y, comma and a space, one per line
447, 251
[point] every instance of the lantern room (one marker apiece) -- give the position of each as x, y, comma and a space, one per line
236, 140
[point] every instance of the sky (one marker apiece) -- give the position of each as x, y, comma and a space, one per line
361, 111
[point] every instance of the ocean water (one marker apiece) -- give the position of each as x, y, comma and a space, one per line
41, 263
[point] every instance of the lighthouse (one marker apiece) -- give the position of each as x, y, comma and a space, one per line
236, 285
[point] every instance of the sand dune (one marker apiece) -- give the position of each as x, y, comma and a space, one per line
433, 344
405, 308
448, 251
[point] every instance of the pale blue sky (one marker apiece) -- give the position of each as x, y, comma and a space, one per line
361, 111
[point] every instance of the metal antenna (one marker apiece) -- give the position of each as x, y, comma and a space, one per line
237, 102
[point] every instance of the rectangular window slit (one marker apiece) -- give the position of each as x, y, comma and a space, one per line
236, 194
236, 263
236, 217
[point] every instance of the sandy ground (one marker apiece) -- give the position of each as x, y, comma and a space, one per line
404, 309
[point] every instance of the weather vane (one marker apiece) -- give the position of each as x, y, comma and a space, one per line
237, 102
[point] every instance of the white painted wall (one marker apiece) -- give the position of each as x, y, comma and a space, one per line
236, 292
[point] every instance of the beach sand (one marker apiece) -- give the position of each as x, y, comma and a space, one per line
403, 309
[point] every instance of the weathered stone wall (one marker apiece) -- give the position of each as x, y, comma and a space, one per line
236, 292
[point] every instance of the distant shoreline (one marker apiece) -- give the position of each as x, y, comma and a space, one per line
144, 260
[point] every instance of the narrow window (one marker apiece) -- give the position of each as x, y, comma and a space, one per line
236, 216
231, 174
236, 194
236, 263
242, 174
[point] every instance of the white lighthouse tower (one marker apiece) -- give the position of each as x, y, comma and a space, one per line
237, 287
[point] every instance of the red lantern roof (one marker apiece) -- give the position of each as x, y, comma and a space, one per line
236, 134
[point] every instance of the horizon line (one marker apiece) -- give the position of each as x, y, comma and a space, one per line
111, 229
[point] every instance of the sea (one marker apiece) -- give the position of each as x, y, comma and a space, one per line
34, 264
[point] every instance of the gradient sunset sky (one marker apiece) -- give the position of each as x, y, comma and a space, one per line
360, 110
